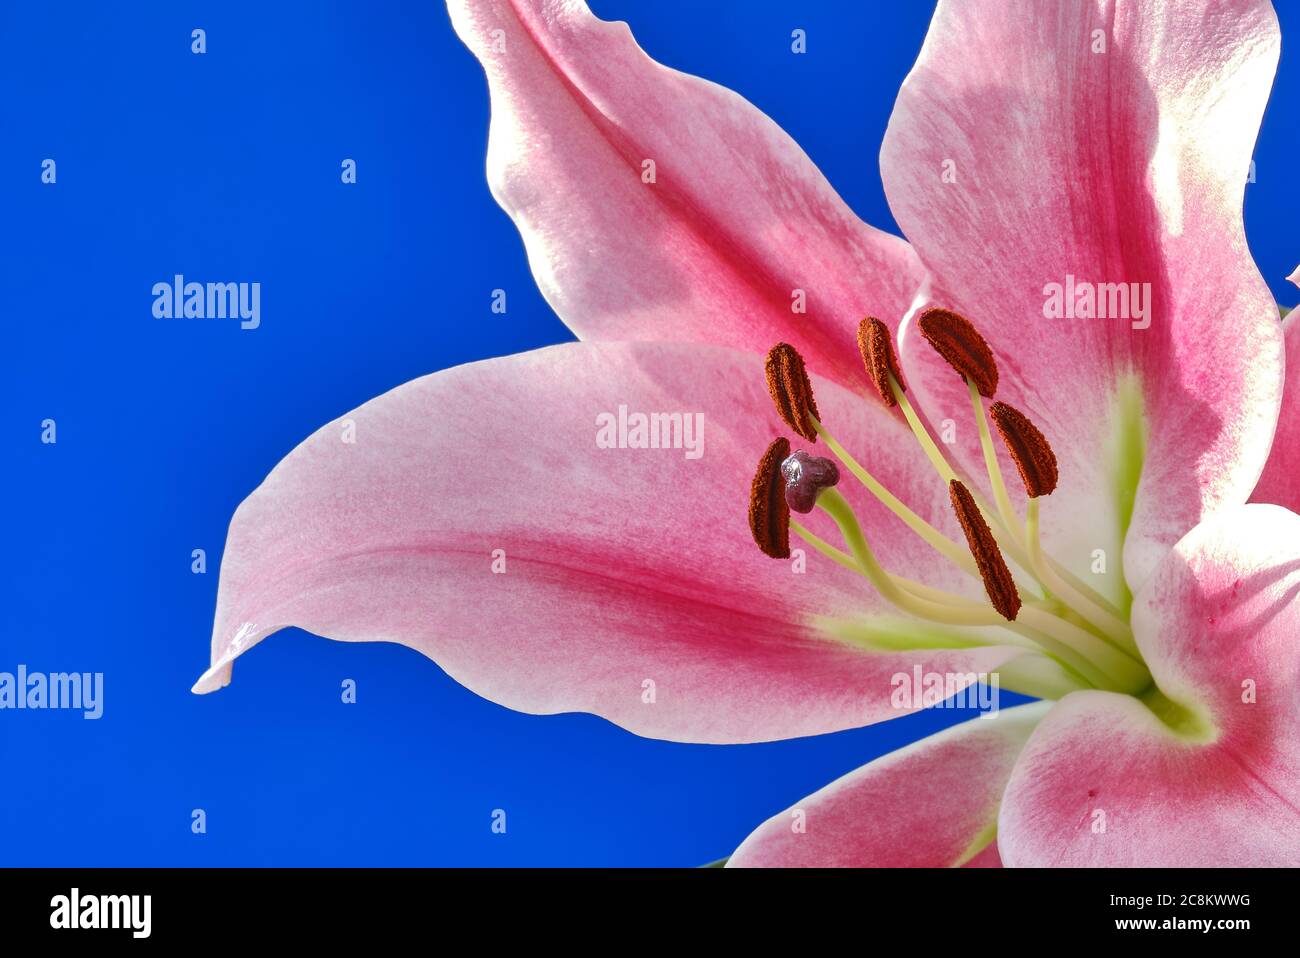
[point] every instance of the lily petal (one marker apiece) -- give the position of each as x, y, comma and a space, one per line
1108, 143
631, 587
716, 249
1280, 483
932, 804
1104, 781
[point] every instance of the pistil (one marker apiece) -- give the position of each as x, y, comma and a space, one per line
936, 539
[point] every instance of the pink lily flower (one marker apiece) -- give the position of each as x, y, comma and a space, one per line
564, 530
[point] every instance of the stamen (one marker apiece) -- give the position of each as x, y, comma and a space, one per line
877, 349
1029, 449
805, 477
1080, 643
1010, 523
937, 458
959, 342
998, 584
769, 516
787, 381
1037, 465
1034, 543
1030, 554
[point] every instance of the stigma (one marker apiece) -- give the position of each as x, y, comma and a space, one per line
805, 477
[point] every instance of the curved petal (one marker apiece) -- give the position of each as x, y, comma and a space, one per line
1100, 150
1280, 483
1103, 781
737, 217
932, 804
622, 566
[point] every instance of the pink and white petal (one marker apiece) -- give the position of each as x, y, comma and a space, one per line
622, 566
1099, 144
1104, 781
1280, 483
932, 804
736, 221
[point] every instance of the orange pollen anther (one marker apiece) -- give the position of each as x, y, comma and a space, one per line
1028, 447
769, 516
998, 583
877, 348
956, 339
787, 381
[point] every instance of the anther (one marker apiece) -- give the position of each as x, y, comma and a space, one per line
805, 477
998, 584
769, 516
1029, 449
959, 342
877, 348
787, 381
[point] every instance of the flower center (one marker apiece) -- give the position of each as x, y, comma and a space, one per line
1040, 606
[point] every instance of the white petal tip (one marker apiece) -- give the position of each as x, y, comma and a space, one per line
1295, 276
217, 677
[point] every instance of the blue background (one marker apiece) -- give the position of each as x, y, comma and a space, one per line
226, 166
